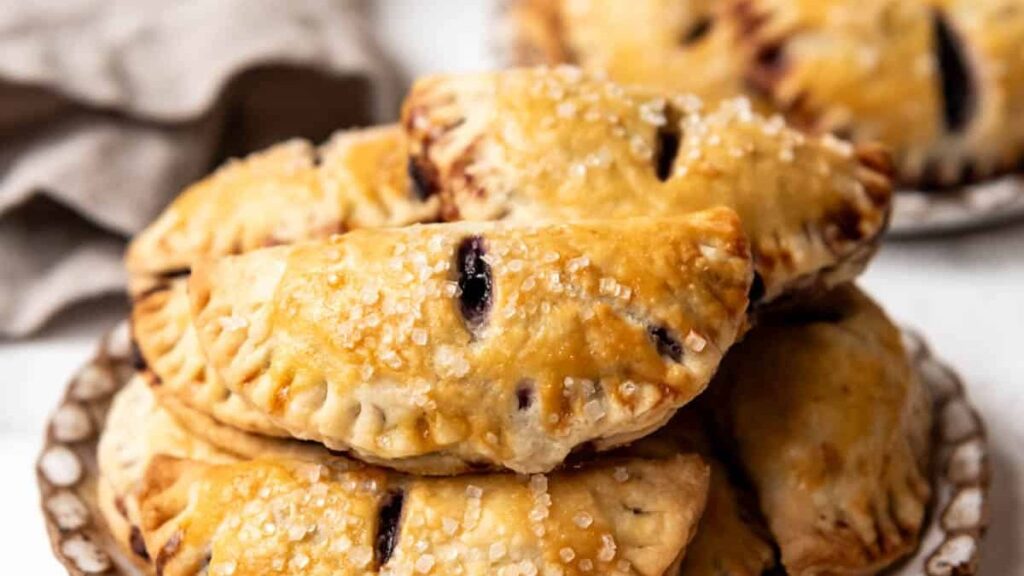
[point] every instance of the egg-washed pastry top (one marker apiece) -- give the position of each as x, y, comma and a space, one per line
496, 344
939, 81
291, 191
557, 144
674, 45
832, 427
233, 515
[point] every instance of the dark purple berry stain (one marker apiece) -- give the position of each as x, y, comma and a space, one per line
699, 30
474, 281
668, 138
423, 185
954, 74
667, 345
524, 395
388, 519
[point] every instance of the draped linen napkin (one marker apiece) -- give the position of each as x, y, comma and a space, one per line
109, 107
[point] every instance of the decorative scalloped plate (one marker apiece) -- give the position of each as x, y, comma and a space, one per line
67, 471
919, 213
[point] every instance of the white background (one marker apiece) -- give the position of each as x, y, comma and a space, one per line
965, 293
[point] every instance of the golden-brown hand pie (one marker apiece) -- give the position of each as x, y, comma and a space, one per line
493, 344
166, 338
295, 517
940, 81
289, 192
674, 45
628, 515
832, 427
540, 144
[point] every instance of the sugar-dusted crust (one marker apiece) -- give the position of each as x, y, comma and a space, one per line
675, 45
136, 429
289, 192
633, 518
165, 336
497, 345
940, 81
832, 427
203, 508
135, 432
730, 539
540, 144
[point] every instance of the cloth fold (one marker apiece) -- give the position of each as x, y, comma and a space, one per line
108, 108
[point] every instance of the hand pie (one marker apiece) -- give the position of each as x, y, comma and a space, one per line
673, 45
832, 427
165, 336
480, 342
360, 521
215, 516
940, 81
539, 144
289, 192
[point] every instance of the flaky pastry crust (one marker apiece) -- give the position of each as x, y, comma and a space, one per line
541, 144
166, 338
329, 521
832, 426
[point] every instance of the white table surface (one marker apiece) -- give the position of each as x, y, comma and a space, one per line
966, 294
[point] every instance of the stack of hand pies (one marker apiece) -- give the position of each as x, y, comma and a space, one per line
550, 325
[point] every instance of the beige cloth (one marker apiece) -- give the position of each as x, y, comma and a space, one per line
109, 107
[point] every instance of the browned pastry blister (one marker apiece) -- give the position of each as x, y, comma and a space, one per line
199, 510
674, 45
832, 427
542, 144
289, 192
940, 81
478, 343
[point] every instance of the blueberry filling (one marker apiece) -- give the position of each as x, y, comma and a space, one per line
137, 543
757, 289
475, 284
667, 345
668, 138
423, 184
389, 516
699, 30
954, 74
524, 395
